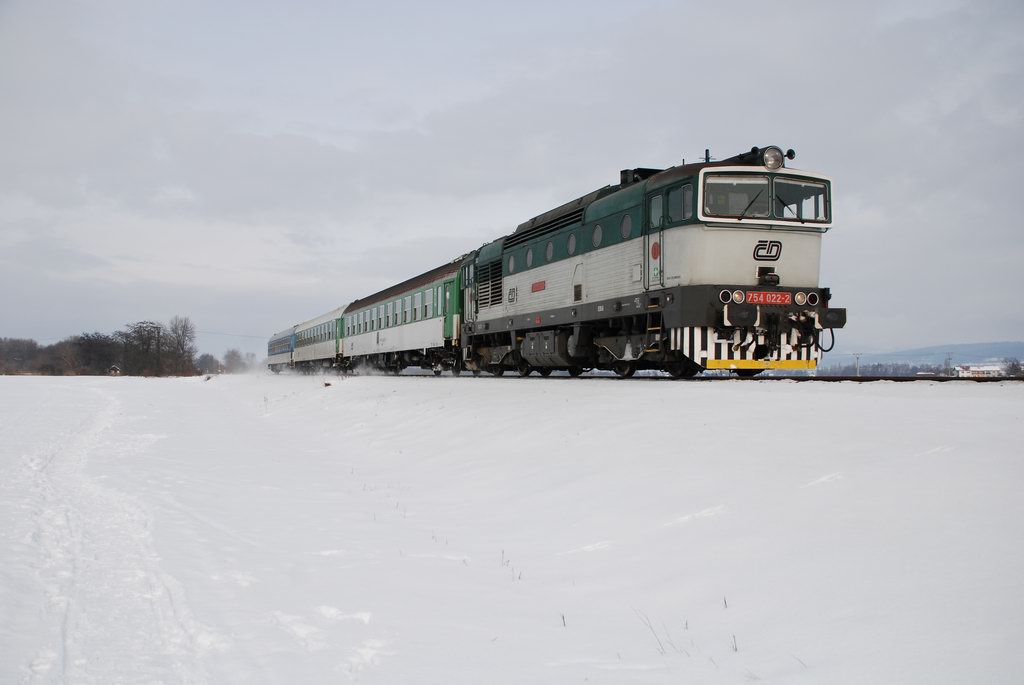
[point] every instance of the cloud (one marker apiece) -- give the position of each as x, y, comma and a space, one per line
191, 154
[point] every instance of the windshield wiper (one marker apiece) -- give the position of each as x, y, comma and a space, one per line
784, 207
744, 212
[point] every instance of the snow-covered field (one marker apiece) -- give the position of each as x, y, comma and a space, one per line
270, 529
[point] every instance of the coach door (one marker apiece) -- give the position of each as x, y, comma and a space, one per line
654, 225
449, 308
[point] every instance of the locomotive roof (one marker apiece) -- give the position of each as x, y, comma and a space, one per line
410, 284
573, 210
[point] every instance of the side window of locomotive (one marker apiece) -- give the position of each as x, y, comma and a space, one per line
680, 204
626, 227
571, 246
596, 238
655, 213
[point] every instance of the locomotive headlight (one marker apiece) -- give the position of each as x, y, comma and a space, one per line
812, 299
800, 299
725, 296
737, 296
772, 157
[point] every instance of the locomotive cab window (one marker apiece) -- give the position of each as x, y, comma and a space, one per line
800, 200
738, 197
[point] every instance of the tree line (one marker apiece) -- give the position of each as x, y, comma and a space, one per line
144, 348
1011, 367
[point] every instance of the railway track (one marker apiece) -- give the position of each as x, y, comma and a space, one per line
863, 379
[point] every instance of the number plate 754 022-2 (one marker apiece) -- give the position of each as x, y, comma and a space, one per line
758, 297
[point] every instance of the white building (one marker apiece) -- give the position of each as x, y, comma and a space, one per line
980, 371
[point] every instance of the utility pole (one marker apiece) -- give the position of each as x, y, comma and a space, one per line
856, 358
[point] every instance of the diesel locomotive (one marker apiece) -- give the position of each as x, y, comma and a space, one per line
713, 265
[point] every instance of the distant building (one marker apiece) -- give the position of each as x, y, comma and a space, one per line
114, 370
980, 371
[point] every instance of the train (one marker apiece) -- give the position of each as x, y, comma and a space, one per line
713, 265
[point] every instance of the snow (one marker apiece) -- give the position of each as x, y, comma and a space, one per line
269, 529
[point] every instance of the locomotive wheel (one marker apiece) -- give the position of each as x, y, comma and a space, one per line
575, 371
476, 372
524, 368
544, 371
437, 372
624, 369
682, 369
497, 370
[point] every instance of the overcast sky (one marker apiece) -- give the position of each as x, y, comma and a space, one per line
254, 164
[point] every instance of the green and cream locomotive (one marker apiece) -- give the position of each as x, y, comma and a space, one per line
701, 266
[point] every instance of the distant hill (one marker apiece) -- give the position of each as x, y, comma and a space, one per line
969, 353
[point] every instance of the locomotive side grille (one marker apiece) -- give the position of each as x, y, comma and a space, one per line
488, 281
546, 227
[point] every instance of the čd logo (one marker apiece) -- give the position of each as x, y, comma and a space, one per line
768, 250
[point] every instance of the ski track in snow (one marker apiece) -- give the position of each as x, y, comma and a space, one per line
362, 534
119, 617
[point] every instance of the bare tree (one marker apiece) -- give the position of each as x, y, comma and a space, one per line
208, 364
97, 352
18, 355
181, 346
233, 361
142, 342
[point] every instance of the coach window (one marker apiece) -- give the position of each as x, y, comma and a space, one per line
408, 309
656, 212
549, 251
597, 236
428, 307
571, 245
